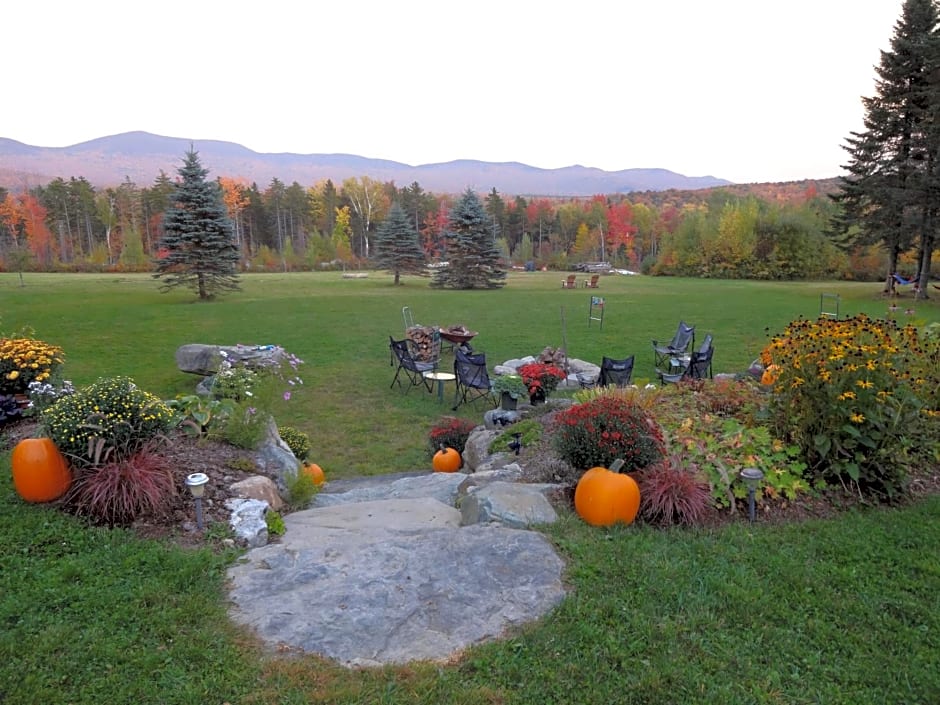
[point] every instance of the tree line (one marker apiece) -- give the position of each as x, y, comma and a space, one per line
69, 225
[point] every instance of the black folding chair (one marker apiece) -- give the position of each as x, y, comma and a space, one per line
613, 372
677, 347
473, 381
409, 370
697, 366
616, 372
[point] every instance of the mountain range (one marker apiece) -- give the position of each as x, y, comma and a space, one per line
140, 156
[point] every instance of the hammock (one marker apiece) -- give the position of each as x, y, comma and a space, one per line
902, 281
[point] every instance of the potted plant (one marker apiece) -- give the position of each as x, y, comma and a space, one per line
541, 379
508, 389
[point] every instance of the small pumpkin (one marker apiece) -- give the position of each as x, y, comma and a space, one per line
315, 472
446, 460
605, 496
40, 471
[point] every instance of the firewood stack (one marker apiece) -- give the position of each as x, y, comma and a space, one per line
424, 343
554, 356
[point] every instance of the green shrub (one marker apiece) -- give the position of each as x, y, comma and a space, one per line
604, 429
275, 523
301, 489
297, 440
858, 396
450, 432
107, 421
237, 383
199, 415
246, 427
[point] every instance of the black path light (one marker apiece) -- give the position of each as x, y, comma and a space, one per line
197, 487
752, 478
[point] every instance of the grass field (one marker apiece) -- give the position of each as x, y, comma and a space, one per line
843, 611
120, 324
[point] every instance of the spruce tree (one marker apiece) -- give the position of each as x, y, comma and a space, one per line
397, 247
890, 194
471, 251
199, 244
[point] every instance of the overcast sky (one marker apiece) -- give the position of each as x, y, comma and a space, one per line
746, 90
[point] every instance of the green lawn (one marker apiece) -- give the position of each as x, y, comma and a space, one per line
842, 611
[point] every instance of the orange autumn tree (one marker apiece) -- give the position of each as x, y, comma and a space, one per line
38, 237
235, 198
621, 231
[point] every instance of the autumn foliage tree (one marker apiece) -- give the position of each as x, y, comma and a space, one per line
199, 249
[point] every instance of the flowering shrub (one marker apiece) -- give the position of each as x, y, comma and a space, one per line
42, 395
297, 440
273, 379
859, 398
604, 429
450, 432
25, 360
105, 422
541, 375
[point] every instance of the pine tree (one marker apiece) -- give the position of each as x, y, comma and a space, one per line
472, 254
199, 245
890, 195
397, 247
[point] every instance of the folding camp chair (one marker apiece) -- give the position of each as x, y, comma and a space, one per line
616, 372
677, 347
409, 370
473, 381
698, 365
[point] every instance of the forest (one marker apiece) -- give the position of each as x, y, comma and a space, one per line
759, 231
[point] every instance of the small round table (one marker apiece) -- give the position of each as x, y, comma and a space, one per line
440, 378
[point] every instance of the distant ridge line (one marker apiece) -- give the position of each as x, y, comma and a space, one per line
141, 156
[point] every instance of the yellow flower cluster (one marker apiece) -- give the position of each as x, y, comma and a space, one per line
113, 410
25, 360
845, 357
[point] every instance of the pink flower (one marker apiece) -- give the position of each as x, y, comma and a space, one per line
287, 395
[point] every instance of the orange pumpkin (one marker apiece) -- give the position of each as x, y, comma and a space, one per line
446, 460
40, 472
603, 497
315, 472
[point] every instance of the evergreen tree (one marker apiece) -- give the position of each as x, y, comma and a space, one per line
890, 195
472, 254
397, 247
200, 249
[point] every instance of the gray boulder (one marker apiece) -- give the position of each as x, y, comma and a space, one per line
204, 360
384, 590
509, 503
248, 522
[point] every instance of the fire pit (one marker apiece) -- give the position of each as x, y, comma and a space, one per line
457, 335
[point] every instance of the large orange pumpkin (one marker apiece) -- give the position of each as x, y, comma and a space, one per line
446, 460
40, 472
315, 472
603, 497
